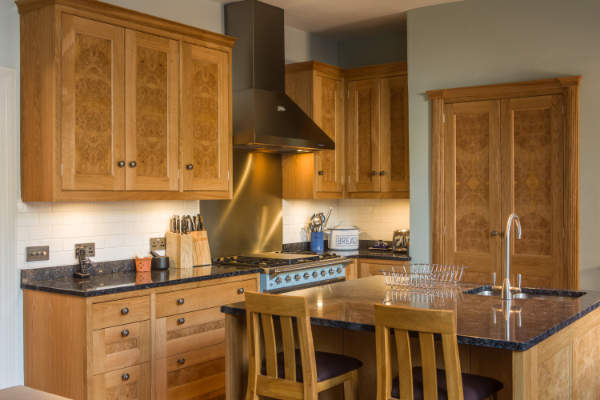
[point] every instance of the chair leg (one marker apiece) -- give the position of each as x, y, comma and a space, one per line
351, 387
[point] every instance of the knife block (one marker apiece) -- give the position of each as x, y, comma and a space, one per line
188, 250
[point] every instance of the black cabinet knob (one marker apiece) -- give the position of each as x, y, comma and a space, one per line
189, 166
181, 321
132, 164
125, 376
240, 290
321, 173
180, 301
381, 173
124, 311
121, 164
373, 173
125, 332
181, 361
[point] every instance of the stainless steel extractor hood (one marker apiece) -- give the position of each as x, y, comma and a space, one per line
264, 117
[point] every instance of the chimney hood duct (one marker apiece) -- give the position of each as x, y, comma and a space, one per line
264, 117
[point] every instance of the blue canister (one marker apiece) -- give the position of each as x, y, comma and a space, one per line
316, 242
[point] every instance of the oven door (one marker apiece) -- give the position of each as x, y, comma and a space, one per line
304, 286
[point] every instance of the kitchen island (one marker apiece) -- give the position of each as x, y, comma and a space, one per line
546, 346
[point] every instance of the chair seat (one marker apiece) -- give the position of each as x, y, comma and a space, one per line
329, 365
475, 387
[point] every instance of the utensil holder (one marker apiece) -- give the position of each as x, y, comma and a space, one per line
316, 242
143, 264
188, 250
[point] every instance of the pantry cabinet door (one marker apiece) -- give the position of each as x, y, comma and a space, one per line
363, 136
206, 116
472, 225
92, 121
328, 113
394, 135
533, 143
152, 112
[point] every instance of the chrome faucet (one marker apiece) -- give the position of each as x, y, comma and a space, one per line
506, 287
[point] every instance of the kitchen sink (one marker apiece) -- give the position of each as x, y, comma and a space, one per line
526, 293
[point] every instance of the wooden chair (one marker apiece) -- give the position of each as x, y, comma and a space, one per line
294, 373
425, 382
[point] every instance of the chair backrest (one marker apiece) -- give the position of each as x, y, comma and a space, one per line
260, 310
427, 323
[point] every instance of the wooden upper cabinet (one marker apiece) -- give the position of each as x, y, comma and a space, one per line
92, 124
318, 89
152, 112
206, 116
114, 105
533, 176
377, 128
363, 136
472, 198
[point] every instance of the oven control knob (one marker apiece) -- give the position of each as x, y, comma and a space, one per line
323, 272
331, 271
288, 278
297, 277
306, 275
278, 280
339, 269
315, 274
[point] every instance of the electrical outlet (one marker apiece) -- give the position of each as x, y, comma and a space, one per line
157, 244
89, 247
37, 253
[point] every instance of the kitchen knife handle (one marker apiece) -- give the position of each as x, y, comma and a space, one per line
121, 164
132, 164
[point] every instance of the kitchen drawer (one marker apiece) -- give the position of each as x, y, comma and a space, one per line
369, 269
190, 331
182, 301
127, 383
196, 374
120, 346
120, 312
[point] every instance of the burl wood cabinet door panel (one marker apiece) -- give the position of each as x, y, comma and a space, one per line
92, 123
205, 118
472, 194
394, 135
533, 143
363, 136
152, 112
329, 115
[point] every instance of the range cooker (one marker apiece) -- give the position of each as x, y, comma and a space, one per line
283, 272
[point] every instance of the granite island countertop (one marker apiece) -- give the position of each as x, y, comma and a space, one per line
480, 319
120, 276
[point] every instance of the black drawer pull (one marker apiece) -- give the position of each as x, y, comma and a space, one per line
321, 173
189, 166
240, 290
132, 164
181, 321
124, 311
181, 361
121, 164
125, 332
180, 301
125, 376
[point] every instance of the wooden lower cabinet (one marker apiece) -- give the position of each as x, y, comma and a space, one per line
370, 266
159, 343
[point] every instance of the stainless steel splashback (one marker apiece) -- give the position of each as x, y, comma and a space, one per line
252, 220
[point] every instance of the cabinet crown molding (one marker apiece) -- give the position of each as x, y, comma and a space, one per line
129, 18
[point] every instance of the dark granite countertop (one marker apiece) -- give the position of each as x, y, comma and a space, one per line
119, 276
480, 319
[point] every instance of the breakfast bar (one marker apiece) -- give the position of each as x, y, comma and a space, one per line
545, 345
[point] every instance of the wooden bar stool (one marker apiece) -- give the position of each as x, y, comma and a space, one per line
294, 373
426, 382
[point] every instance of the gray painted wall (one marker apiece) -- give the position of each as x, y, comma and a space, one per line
383, 47
493, 41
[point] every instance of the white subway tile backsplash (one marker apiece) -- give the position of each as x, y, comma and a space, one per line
376, 218
119, 229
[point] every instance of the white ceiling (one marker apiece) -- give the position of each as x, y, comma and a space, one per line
344, 16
